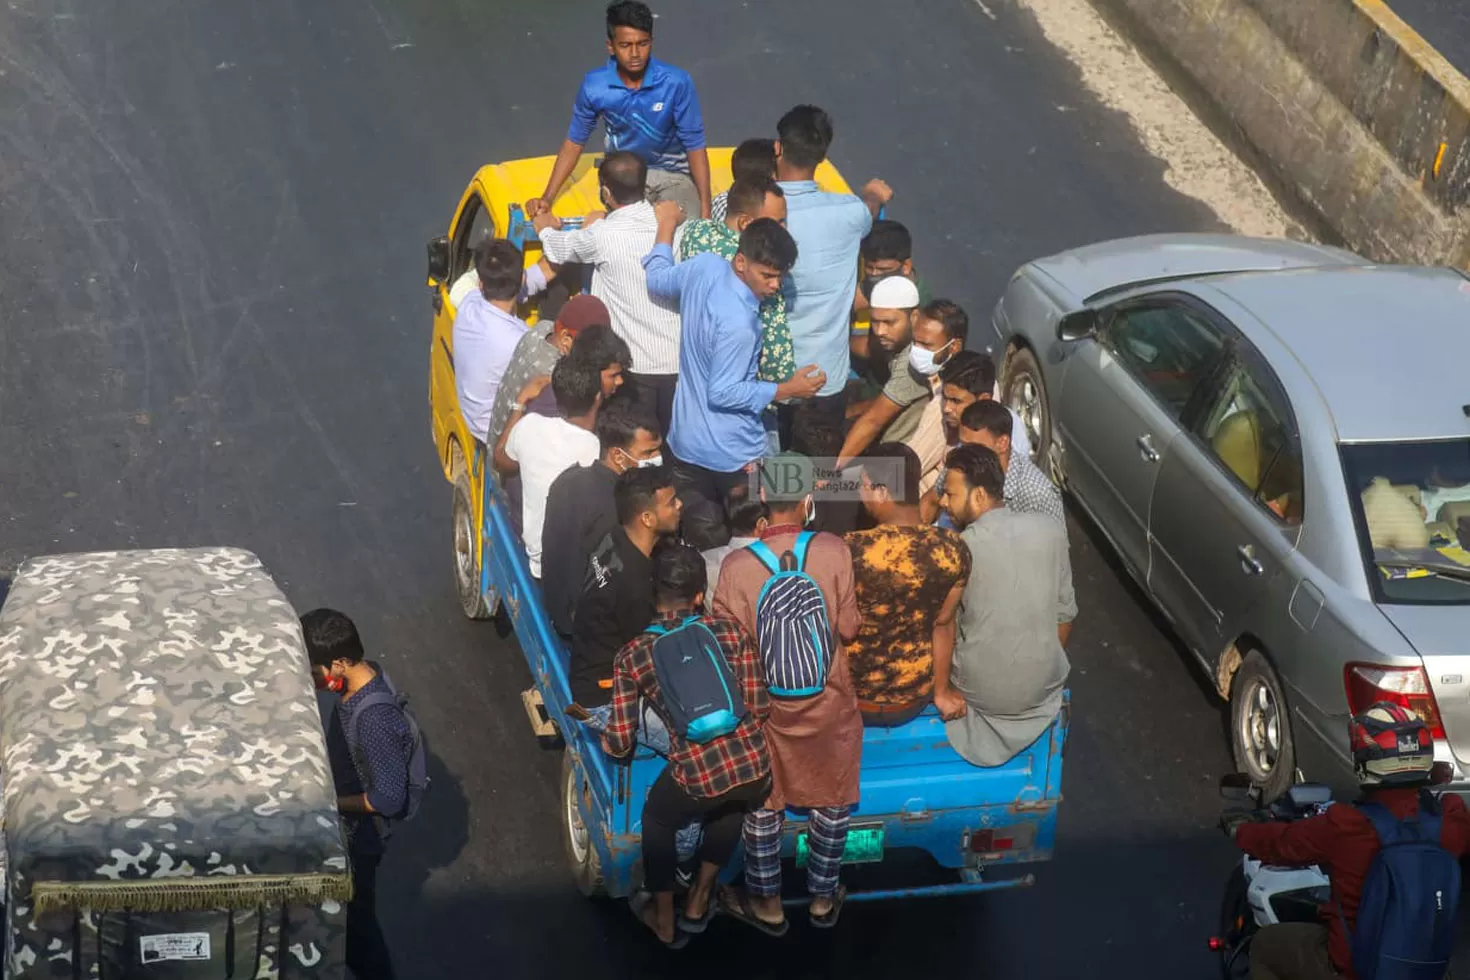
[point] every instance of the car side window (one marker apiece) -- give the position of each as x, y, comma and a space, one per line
1251, 432
1170, 348
474, 227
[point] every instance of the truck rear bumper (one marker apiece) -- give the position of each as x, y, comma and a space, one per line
927, 891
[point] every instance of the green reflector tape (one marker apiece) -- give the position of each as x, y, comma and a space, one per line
864, 846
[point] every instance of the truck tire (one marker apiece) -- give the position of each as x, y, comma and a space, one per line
581, 855
1023, 391
1260, 727
466, 556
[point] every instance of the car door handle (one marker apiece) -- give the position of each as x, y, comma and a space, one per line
1146, 448
1249, 563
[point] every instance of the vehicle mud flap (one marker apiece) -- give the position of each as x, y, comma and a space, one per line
178, 945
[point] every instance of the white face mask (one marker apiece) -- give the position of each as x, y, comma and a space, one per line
926, 362
656, 459
810, 514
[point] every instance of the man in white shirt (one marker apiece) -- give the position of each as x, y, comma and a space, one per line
615, 246
541, 447
486, 331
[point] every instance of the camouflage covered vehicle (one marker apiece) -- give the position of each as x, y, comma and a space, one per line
169, 809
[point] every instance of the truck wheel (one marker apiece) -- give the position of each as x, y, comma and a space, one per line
1260, 727
1024, 392
581, 855
466, 555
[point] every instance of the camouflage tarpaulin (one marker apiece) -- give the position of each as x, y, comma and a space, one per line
163, 761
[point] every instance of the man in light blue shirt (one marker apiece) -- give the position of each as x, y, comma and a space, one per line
828, 229
717, 430
486, 331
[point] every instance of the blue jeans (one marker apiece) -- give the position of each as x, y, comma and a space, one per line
653, 734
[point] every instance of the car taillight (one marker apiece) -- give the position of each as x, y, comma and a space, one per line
990, 841
1405, 686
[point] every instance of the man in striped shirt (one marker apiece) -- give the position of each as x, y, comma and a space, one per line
615, 246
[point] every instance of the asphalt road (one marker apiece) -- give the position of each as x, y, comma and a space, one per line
1444, 24
213, 330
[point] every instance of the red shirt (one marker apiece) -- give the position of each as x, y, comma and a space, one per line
1343, 842
715, 767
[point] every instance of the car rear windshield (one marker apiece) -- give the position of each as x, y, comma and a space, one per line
1412, 505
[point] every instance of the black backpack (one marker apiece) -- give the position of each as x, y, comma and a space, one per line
700, 695
418, 756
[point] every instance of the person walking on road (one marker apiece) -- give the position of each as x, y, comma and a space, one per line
647, 107
370, 744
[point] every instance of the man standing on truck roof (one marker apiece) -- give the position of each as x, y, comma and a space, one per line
828, 229
615, 246
647, 107
371, 747
1003, 685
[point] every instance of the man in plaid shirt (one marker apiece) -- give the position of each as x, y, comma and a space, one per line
716, 782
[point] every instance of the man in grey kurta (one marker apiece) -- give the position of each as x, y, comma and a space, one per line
1004, 684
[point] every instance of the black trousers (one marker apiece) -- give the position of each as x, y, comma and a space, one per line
669, 809
655, 394
367, 950
703, 494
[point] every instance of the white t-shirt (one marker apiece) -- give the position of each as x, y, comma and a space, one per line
544, 447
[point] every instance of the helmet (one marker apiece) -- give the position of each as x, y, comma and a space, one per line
1391, 746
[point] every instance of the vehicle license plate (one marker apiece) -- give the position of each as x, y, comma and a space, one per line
864, 845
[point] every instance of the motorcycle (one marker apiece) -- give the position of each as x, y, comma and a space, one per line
1259, 894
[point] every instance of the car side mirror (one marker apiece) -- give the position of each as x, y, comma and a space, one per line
1078, 325
438, 261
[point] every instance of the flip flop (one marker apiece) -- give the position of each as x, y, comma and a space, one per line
638, 904
736, 904
696, 926
829, 919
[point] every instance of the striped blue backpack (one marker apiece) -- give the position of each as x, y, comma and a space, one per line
792, 631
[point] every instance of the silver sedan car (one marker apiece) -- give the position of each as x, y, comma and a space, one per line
1275, 437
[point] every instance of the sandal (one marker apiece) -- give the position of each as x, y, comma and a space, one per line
696, 926
828, 919
638, 904
736, 904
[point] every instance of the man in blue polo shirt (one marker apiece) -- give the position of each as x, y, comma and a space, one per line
646, 107
828, 228
717, 428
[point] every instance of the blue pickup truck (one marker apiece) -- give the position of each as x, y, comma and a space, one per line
977, 825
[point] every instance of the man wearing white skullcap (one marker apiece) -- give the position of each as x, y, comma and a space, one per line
895, 413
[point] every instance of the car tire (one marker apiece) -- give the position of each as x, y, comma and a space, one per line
582, 856
1260, 727
466, 558
1023, 391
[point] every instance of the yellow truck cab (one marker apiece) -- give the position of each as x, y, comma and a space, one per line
492, 206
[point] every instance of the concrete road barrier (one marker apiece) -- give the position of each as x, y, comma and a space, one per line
1343, 102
